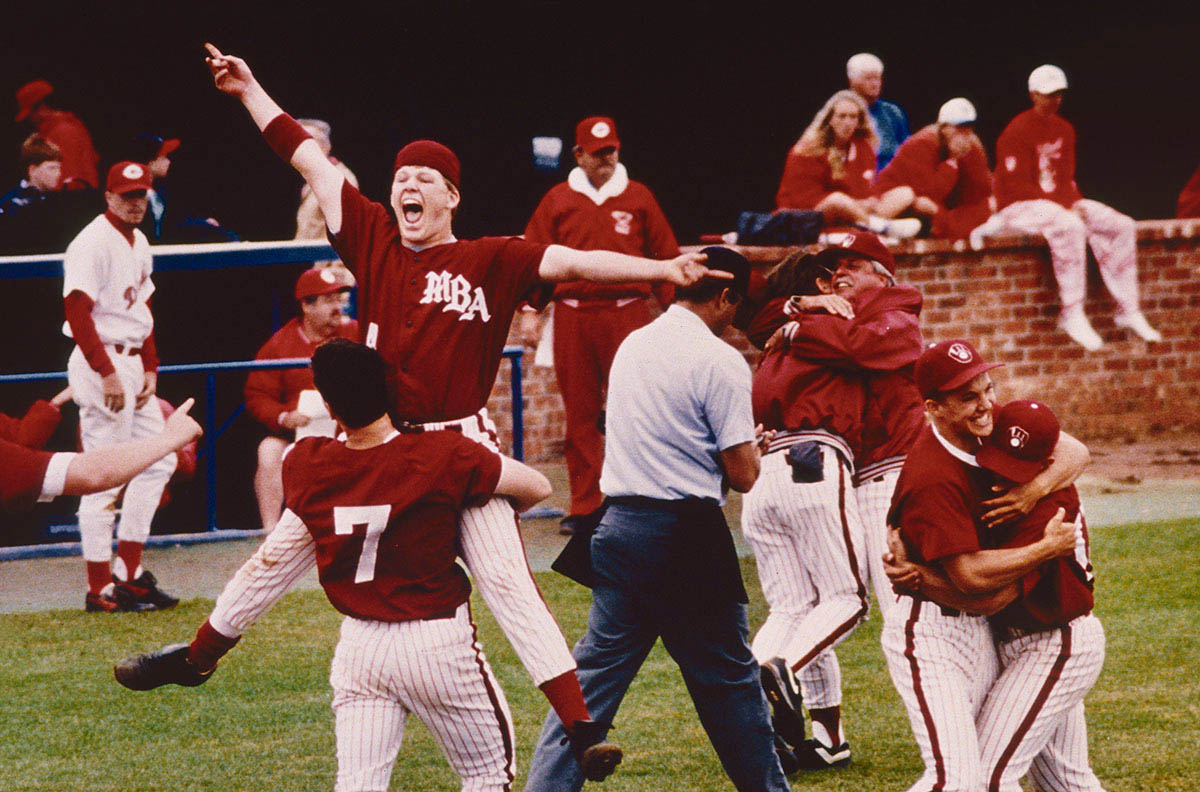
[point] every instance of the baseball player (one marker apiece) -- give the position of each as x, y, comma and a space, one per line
28, 475
113, 373
273, 395
940, 655
438, 309
598, 207
377, 513
1050, 646
1036, 194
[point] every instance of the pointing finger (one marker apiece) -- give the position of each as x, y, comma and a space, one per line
212, 50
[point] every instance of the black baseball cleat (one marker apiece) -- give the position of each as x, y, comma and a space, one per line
144, 589
114, 601
787, 705
168, 666
597, 757
812, 755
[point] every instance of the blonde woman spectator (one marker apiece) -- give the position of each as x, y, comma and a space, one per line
832, 166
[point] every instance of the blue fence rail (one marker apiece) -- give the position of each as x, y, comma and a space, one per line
169, 258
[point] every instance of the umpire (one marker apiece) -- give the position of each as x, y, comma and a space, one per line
680, 432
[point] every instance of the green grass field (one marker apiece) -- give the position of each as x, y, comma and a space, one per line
264, 722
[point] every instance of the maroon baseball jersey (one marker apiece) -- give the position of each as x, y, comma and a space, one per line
1058, 590
1035, 158
630, 222
22, 472
882, 342
384, 519
937, 500
34, 428
807, 179
439, 316
271, 392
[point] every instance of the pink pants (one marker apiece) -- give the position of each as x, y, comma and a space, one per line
1068, 232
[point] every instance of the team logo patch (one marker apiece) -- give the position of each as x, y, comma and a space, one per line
847, 241
132, 171
1017, 437
600, 129
456, 294
622, 222
1010, 164
328, 276
959, 352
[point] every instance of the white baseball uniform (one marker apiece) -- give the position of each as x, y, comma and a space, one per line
115, 274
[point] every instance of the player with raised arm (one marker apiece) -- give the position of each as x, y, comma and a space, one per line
377, 515
438, 309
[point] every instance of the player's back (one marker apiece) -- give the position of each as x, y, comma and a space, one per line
384, 519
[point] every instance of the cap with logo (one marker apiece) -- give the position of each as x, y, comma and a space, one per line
948, 365
957, 112
858, 244
596, 132
29, 94
1023, 436
126, 177
317, 281
1047, 79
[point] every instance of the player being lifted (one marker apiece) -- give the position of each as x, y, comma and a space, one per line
377, 514
438, 309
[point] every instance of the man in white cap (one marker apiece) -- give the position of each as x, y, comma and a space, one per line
945, 166
1036, 194
865, 73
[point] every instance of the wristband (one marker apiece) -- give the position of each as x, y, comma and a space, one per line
284, 136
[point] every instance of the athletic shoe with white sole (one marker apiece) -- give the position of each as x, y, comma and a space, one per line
787, 704
812, 755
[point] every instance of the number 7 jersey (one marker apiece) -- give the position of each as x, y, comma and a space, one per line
384, 519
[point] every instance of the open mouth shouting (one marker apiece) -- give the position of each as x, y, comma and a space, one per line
412, 210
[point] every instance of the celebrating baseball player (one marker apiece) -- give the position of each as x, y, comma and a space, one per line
438, 309
941, 657
113, 372
30, 475
377, 514
1050, 646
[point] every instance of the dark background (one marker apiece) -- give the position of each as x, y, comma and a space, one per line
707, 96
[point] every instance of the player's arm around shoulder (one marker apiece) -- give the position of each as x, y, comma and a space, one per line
526, 486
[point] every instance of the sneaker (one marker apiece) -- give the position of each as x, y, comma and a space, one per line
812, 755
1077, 326
787, 704
144, 590
903, 227
111, 600
1136, 322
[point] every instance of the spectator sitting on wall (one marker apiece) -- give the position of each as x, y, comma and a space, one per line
945, 166
164, 223
310, 220
63, 129
832, 165
1189, 198
41, 162
1036, 194
865, 74
285, 400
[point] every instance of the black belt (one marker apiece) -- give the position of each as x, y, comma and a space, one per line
661, 504
127, 350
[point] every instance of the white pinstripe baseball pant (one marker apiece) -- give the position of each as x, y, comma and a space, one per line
1068, 232
1033, 715
874, 498
942, 666
807, 539
491, 546
436, 670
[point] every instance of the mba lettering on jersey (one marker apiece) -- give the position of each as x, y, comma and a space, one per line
457, 294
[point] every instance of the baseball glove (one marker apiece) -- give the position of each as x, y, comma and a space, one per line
167, 666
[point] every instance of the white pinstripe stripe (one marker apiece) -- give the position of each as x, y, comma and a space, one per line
874, 497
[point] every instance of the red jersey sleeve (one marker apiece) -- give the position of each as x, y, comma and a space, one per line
22, 472
1016, 167
517, 279
35, 427
540, 227
660, 244
471, 472
766, 320
805, 182
264, 390
367, 229
936, 522
885, 340
78, 309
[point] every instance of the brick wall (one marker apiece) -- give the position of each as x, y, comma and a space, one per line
1004, 300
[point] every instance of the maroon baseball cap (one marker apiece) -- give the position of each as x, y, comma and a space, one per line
858, 244
430, 154
29, 94
127, 177
596, 132
317, 281
948, 365
1023, 436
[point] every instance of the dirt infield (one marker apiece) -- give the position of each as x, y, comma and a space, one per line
1143, 481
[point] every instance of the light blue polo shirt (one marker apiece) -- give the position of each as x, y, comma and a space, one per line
677, 396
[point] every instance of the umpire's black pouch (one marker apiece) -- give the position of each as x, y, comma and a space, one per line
807, 461
575, 559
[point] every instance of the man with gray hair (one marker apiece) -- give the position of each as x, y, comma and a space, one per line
310, 221
865, 73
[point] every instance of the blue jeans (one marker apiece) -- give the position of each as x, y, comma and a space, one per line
641, 594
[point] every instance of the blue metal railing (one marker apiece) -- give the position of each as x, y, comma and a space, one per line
212, 432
